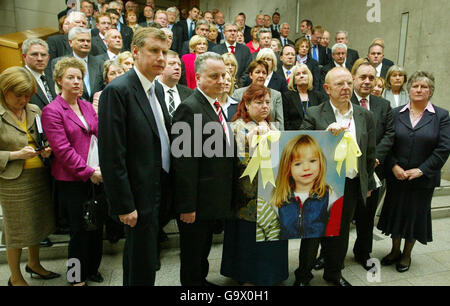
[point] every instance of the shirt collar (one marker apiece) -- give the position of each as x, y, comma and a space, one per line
348, 114
146, 84
343, 64
84, 60
359, 98
167, 88
429, 107
228, 45
111, 55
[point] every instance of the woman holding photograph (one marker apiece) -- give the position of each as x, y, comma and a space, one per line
243, 259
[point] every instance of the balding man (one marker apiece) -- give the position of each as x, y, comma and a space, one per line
338, 115
352, 55
284, 33
202, 29
259, 20
115, 45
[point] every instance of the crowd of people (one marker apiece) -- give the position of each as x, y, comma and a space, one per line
128, 77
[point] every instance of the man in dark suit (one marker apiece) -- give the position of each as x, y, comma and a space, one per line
318, 52
126, 31
202, 29
134, 153
103, 25
284, 33
240, 51
87, 7
288, 59
148, 14
306, 27
275, 26
115, 45
375, 57
35, 56
363, 81
352, 55
336, 115
339, 59
204, 184
58, 45
185, 28
219, 20
80, 42
240, 21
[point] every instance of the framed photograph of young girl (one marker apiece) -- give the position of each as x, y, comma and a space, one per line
307, 200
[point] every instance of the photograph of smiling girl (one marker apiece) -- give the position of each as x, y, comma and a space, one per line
308, 196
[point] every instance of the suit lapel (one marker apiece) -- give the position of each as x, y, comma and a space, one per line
427, 117
72, 116
42, 95
328, 114
359, 123
403, 117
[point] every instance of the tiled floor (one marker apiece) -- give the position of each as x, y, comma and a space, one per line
430, 265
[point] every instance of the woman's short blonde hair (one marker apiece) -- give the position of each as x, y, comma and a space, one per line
123, 56
229, 57
268, 52
195, 40
391, 70
18, 80
107, 64
300, 67
64, 63
300, 41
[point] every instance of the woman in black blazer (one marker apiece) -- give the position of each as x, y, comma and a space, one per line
303, 47
299, 97
275, 81
421, 148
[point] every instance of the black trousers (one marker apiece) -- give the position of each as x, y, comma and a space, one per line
334, 249
195, 245
86, 246
139, 253
364, 216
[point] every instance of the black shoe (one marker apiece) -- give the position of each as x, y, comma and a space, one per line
401, 268
162, 237
342, 282
301, 284
9, 282
51, 275
319, 264
363, 262
209, 284
46, 243
96, 278
386, 261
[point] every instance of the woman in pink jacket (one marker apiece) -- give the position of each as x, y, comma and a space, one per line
69, 124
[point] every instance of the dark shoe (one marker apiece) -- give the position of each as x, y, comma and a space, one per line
401, 268
96, 278
162, 237
301, 284
342, 282
209, 284
51, 275
9, 283
319, 264
363, 263
46, 243
386, 261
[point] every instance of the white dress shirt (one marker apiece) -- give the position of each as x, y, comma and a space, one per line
228, 47
343, 64
378, 69
269, 77
111, 55
37, 77
175, 94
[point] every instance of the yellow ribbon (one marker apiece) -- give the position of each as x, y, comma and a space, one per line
261, 158
348, 150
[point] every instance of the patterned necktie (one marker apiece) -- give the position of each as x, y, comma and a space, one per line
288, 72
163, 136
48, 93
171, 102
364, 103
221, 118
232, 49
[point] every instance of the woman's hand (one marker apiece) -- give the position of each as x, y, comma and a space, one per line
414, 173
399, 173
96, 177
26, 152
46, 152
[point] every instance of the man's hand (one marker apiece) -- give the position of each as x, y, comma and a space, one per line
129, 219
413, 173
377, 162
399, 173
336, 128
188, 217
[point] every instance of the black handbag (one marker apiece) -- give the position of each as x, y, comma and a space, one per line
93, 211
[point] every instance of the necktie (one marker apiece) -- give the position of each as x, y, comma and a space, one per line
48, 93
163, 137
315, 53
288, 72
285, 42
364, 103
171, 102
87, 84
221, 118
191, 30
232, 49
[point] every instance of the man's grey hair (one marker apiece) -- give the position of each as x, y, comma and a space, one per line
226, 25
33, 41
74, 14
263, 30
201, 22
342, 31
338, 46
281, 25
172, 10
200, 61
167, 31
78, 30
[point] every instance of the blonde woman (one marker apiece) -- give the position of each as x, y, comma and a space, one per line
395, 91
231, 65
197, 45
126, 59
273, 80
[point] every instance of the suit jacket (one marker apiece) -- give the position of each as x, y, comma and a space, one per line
289, 42
180, 34
98, 46
403, 98
247, 34
321, 116
204, 184
127, 36
276, 104
183, 91
323, 57
352, 56
384, 68
277, 82
40, 97
426, 146
95, 68
293, 110
13, 138
58, 45
275, 33
129, 147
384, 126
69, 139
242, 54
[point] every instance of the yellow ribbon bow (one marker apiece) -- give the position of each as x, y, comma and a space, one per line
348, 150
261, 158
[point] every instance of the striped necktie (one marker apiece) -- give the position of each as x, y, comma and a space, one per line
222, 119
171, 102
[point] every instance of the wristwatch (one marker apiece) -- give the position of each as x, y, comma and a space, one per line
420, 171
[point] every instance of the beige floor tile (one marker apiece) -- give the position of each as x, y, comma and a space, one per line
436, 279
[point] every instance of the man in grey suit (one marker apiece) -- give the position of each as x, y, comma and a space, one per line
364, 81
336, 115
